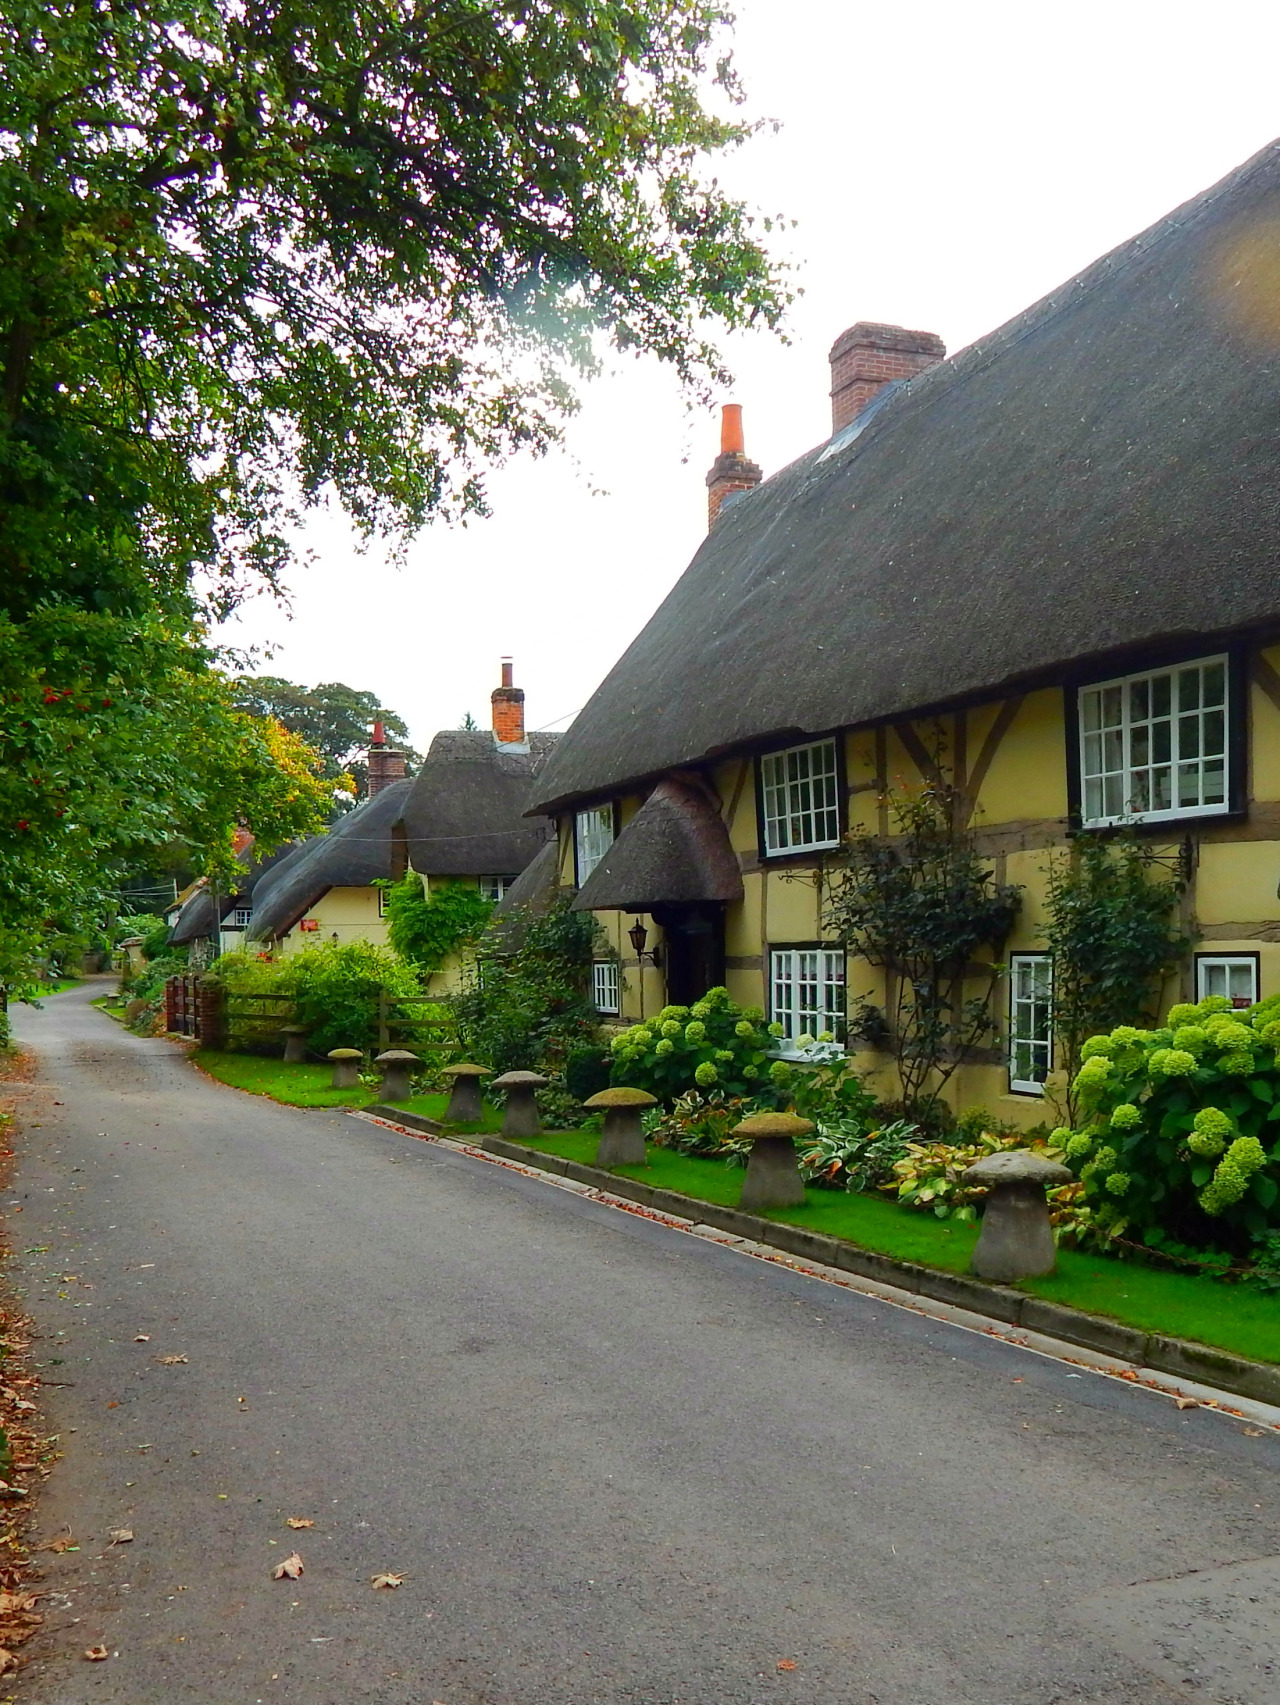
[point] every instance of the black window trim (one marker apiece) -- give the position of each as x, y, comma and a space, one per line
805, 855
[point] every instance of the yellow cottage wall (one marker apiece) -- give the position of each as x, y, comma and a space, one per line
1010, 756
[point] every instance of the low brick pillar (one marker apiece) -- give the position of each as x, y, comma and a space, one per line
172, 996
211, 1009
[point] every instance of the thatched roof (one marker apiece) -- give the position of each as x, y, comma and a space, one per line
355, 851
674, 851
196, 920
464, 814
529, 896
1102, 473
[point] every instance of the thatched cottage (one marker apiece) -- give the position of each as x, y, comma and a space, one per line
1046, 568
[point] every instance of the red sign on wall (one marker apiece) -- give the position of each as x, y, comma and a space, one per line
309, 923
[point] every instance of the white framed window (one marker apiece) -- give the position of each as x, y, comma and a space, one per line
1030, 1021
593, 835
241, 917
1155, 745
806, 991
604, 985
800, 798
1234, 975
494, 887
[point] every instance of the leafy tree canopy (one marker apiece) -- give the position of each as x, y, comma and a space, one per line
333, 718
253, 256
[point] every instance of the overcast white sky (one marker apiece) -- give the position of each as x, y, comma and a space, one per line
946, 166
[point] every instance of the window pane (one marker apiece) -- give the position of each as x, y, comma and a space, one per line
1160, 705
801, 798
1091, 709
1030, 1019
1188, 736
1215, 732
1215, 684
1189, 689
1155, 744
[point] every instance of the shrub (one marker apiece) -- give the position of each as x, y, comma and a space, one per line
1179, 1134
527, 1010
711, 1045
856, 1160
586, 1071
335, 989
153, 930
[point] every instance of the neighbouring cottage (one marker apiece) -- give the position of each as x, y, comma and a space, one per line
211, 918
461, 818
1045, 570
464, 817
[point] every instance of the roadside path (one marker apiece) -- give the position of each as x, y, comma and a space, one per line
614, 1463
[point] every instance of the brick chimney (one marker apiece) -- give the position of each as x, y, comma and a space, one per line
508, 709
731, 471
869, 356
385, 766
240, 839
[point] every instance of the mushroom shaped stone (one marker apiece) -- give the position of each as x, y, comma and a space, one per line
295, 1043
396, 1065
346, 1067
622, 1140
520, 1116
465, 1103
1016, 1241
773, 1174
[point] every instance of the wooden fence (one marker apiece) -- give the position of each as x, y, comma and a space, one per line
206, 1011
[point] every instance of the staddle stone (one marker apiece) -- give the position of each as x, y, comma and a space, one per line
520, 1115
295, 1043
397, 1064
773, 1173
466, 1103
346, 1067
622, 1140
1016, 1240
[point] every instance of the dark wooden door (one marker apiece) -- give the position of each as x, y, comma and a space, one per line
693, 951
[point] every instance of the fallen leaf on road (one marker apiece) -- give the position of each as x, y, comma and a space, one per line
387, 1580
13, 1602
95, 1654
64, 1542
1186, 1402
289, 1570
787, 1663
143, 1338
122, 1536
171, 1361
1254, 1433
299, 1521
7, 1661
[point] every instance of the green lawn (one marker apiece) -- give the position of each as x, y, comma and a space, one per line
1243, 1321
308, 1085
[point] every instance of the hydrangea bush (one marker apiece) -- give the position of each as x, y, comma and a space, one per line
1179, 1138
712, 1045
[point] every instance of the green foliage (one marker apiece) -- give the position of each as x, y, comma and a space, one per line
586, 1071
1110, 936
526, 1010
703, 1124
924, 907
713, 1044
837, 1158
335, 988
252, 259
1179, 1128
931, 1177
425, 929
153, 930
334, 719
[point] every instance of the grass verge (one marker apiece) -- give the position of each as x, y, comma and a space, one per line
308, 1085
1238, 1319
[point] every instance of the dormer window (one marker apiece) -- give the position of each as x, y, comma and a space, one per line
800, 799
593, 835
242, 917
1155, 746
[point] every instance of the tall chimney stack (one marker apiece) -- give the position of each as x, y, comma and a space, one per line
731, 471
868, 357
385, 766
508, 708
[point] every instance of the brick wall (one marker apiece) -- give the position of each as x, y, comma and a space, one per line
869, 356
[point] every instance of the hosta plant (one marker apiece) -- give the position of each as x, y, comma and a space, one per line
1179, 1134
702, 1124
841, 1159
931, 1176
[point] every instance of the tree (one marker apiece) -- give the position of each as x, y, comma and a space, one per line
254, 256
335, 719
923, 906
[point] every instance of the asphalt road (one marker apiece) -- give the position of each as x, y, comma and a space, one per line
613, 1462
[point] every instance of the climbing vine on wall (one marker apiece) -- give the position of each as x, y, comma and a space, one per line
426, 928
